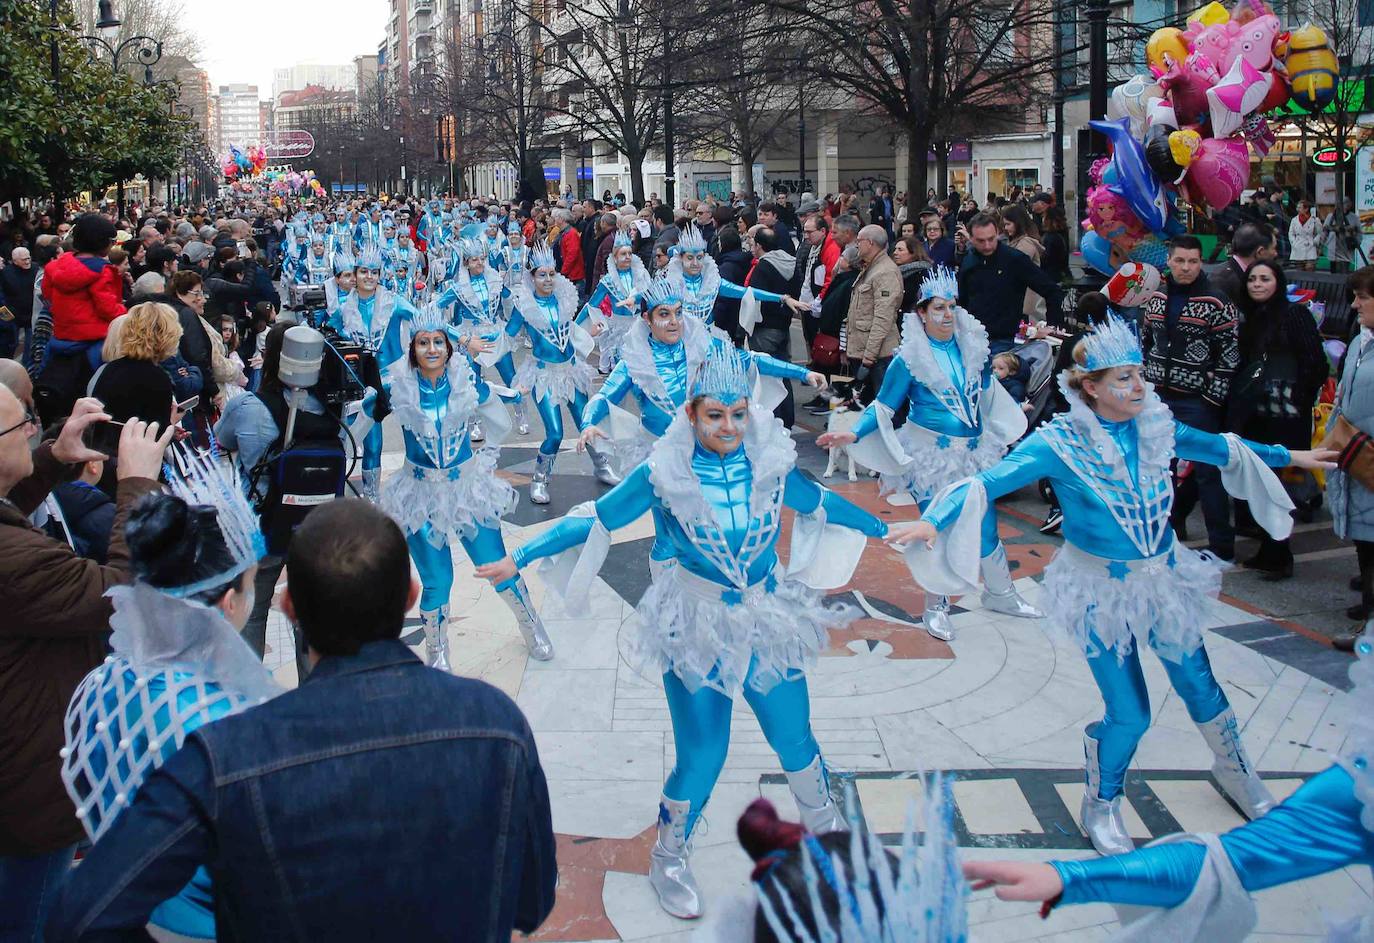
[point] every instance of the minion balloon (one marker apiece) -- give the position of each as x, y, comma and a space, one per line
1312, 67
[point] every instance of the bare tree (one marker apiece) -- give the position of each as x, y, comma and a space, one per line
931, 67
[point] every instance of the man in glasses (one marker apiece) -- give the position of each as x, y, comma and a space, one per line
53, 632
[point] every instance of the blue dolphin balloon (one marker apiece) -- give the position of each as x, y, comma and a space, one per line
1134, 179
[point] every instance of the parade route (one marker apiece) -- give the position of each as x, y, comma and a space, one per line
1001, 710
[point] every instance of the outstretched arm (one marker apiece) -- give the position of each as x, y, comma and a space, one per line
804, 495
896, 383
620, 506
1213, 449
615, 388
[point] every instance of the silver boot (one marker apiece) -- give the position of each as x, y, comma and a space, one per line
605, 473
475, 433
521, 422
936, 618
999, 593
436, 638
1101, 818
517, 597
670, 871
372, 484
1232, 769
539, 484
811, 788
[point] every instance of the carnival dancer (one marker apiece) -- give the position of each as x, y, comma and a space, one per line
614, 300
478, 296
512, 260
316, 267
341, 230
1121, 580
1328, 823
177, 659
429, 224
446, 493
368, 231
726, 617
960, 422
364, 315
702, 284
661, 351
554, 374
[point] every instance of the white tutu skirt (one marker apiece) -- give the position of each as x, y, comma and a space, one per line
710, 643
454, 509
559, 381
612, 338
1164, 597
933, 468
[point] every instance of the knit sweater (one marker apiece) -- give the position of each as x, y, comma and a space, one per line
1192, 350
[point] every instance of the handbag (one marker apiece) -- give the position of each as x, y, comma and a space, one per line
825, 352
1356, 452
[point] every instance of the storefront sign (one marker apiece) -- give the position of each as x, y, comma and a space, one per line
1327, 156
1364, 197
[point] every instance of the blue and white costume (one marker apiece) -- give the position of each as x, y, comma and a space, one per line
430, 224
369, 321
316, 266
960, 421
175, 665
554, 373
511, 262
626, 279
1121, 581
341, 232
479, 304
446, 493
726, 617
368, 232
1204, 879
702, 284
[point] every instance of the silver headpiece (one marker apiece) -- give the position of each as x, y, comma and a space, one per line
623, 240
1111, 343
941, 283
473, 248
199, 479
691, 239
722, 375
343, 262
369, 258
541, 255
661, 291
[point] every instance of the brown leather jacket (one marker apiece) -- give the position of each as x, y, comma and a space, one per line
875, 311
54, 620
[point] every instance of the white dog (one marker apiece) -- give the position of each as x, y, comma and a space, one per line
842, 418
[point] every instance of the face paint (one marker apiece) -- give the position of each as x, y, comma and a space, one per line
720, 428
431, 351
366, 280
543, 280
476, 265
693, 262
665, 323
938, 318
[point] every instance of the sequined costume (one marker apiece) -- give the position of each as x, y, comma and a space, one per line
725, 617
176, 664
619, 284
700, 290
1121, 580
1328, 823
960, 421
555, 373
447, 493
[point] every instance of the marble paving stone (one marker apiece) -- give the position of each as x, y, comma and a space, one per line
994, 807
1196, 804
1072, 795
602, 808
600, 756
573, 700
722, 871
915, 740
886, 801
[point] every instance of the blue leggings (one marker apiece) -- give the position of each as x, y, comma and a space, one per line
701, 734
505, 369
988, 533
436, 563
372, 448
552, 418
1128, 704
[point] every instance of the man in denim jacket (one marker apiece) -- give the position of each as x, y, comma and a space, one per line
379, 800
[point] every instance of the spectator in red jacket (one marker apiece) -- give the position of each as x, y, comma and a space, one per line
83, 290
570, 247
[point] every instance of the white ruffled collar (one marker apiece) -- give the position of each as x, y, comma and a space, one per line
969, 334
1154, 432
771, 452
154, 632
709, 287
403, 387
536, 315
638, 356
468, 295
639, 279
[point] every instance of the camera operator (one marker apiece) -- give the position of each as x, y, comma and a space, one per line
253, 427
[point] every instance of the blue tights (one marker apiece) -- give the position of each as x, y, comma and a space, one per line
505, 369
701, 734
552, 418
436, 563
372, 448
987, 536
1128, 704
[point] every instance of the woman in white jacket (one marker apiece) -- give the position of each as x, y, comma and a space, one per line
1303, 231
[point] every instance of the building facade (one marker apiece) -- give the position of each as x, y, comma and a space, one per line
240, 116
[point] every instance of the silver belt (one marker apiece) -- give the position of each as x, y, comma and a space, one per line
435, 474
702, 588
1157, 565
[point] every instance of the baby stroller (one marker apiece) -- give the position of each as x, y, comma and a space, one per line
1038, 356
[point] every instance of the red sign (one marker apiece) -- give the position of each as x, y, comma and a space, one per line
289, 145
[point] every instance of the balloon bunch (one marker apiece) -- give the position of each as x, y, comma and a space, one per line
1186, 129
240, 162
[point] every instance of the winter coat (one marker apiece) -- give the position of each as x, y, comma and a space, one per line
18, 291
1351, 503
134, 389
875, 307
56, 623
1197, 352
1033, 305
89, 515
1303, 238
84, 294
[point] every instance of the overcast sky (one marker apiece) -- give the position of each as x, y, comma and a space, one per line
247, 40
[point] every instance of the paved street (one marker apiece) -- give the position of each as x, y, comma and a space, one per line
1002, 707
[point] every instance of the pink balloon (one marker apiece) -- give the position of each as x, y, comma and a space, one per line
1253, 42
1218, 173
